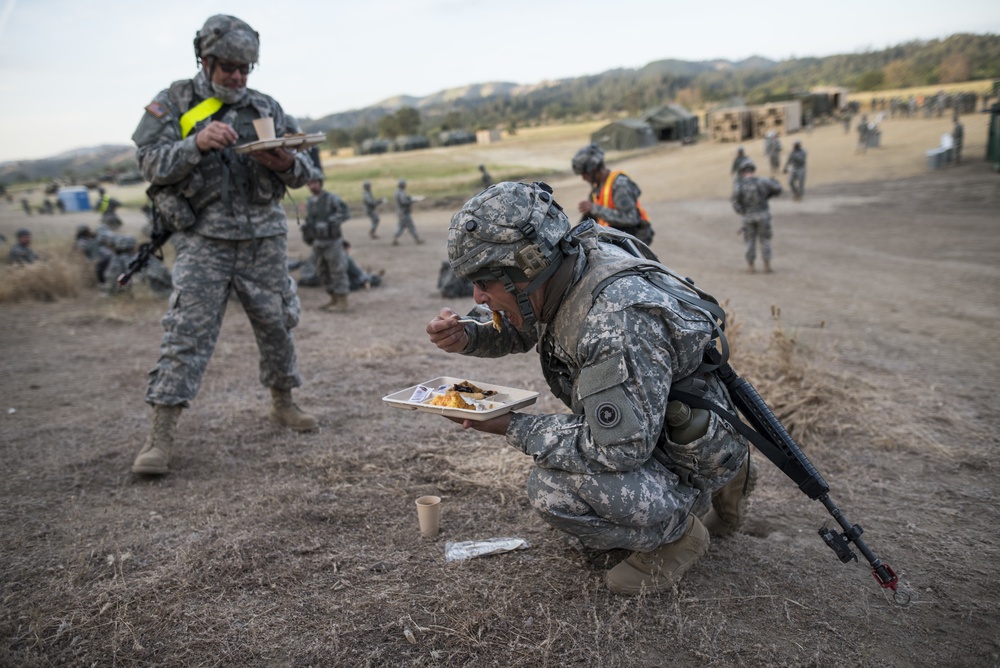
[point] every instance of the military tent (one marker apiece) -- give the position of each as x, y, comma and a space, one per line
672, 122
625, 134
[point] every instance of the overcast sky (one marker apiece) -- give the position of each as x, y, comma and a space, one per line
78, 73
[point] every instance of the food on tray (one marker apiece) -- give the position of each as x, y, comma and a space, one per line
497, 321
451, 399
470, 390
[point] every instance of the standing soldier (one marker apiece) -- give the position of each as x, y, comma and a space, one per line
958, 136
772, 148
862, 134
614, 197
404, 208
741, 155
229, 228
750, 200
797, 163
371, 207
325, 213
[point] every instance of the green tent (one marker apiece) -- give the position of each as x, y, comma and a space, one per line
672, 122
628, 133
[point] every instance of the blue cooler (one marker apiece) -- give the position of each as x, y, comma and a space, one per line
75, 198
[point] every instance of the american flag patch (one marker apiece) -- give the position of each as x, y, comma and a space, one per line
156, 109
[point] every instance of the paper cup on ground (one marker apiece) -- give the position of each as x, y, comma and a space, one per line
264, 128
429, 514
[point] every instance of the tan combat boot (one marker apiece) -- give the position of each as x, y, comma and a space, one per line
750, 268
286, 413
767, 266
729, 504
154, 458
663, 567
338, 304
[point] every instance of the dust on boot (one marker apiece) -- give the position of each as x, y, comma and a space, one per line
154, 458
286, 413
663, 567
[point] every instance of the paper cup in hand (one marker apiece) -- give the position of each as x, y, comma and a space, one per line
429, 514
264, 128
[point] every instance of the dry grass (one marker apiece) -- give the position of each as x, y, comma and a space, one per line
44, 281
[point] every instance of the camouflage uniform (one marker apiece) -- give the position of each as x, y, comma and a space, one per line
796, 166
229, 234
625, 216
371, 209
21, 254
610, 349
404, 207
750, 200
108, 207
772, 148
325, 213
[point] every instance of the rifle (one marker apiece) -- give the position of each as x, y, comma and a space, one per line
770, 437
152, 248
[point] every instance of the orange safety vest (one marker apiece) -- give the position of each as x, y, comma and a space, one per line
605, 198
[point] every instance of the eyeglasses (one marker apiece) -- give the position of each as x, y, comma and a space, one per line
482, 285
229, 68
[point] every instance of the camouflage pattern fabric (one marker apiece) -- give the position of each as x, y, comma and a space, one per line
221, 194
229, 235
404, 208
325, 213
625, 216
206, 272
796, 166
21, 254
750, 200
371, 209
359, 278
595, 476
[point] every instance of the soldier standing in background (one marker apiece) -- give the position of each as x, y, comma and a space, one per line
107, 206
326, 212
772, 148
229, 229
750, 200
404, 208
958, 136
740, 157
797, 164
614, 197
862, 134
371, 207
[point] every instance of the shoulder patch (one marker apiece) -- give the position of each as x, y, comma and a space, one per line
156, 109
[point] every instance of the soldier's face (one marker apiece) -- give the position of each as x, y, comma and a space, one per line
499, 299
315, 187
229, 74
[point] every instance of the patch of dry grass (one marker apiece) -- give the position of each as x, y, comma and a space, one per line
44, 281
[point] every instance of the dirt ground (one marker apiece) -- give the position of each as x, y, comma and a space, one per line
269, 548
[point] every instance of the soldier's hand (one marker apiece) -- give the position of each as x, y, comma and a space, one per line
497, 425
585, 206
215, 135
277, 159
447, 333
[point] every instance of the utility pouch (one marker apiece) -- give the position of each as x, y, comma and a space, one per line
175, 212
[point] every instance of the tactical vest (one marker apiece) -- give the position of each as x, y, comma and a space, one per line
606, 264
605, 197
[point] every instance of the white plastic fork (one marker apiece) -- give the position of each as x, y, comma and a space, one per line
482, 308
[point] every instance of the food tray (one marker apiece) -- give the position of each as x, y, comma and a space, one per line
294, 141
505, 400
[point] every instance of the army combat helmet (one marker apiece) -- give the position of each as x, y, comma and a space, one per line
588, 159
227, 37
512, 233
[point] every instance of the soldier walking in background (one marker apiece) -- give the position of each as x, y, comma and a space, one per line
229, 229
797, 164
772, 149
614, 197
371, 207
862, 134
750, 199
326, 212
740, 157
404, 208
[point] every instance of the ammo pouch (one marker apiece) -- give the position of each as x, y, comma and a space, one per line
174, 210
321, 231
